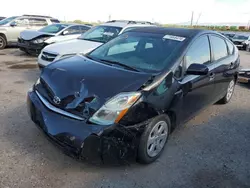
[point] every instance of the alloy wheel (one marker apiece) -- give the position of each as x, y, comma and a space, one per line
230, 90
157, 138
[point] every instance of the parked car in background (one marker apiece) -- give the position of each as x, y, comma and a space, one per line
126, 96
229, 35
10, 28
239, 41
90, 40
1, 18
32, 41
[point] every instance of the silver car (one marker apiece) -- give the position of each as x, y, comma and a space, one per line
10, 28
88, 41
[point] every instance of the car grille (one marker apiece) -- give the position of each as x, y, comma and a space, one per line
48, 56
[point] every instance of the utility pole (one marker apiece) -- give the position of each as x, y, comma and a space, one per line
198, 19
192, 17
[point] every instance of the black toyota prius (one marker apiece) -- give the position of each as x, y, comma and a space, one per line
124, 98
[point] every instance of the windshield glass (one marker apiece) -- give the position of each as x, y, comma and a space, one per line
54, 28
7, 20
141, 51
241, 37
101, 34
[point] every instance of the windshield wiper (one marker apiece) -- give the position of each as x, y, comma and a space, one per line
120, 64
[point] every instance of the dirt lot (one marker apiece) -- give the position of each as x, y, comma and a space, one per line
211, 150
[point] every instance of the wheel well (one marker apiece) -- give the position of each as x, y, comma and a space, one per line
235, 77
172, 117
3, 35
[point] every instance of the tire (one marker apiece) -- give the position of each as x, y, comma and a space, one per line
154, 139
248, 48
229, 94
3, 42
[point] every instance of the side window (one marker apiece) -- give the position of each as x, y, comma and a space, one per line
54, 21
22, 22
84, 29
230, 47
73, 30
199, 52
37, 22
219, 47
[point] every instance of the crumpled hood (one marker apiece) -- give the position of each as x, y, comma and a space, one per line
87, 80
32, 34
72, 46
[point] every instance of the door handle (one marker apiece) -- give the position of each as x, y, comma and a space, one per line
211, 76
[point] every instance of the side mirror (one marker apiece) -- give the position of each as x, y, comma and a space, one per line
13, 24
197, 69
65, 32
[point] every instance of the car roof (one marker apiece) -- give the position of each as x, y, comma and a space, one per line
123, 24
183, 32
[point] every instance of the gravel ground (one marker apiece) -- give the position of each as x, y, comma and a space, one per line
211, 150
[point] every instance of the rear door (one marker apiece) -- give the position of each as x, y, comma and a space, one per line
14, 31
223, 63
198, 91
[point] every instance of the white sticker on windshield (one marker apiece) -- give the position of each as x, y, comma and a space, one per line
172, 37
108, 34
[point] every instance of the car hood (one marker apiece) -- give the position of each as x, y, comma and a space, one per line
86, 82
32, 34
72, 46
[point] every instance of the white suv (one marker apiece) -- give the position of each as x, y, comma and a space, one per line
88, 41
10, 28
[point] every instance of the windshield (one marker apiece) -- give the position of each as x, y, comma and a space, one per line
141, 51
101, 34
54, 28
241, 37
7, 20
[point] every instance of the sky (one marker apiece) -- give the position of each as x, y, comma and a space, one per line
162, 11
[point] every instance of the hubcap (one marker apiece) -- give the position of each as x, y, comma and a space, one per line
157, 138
230, 90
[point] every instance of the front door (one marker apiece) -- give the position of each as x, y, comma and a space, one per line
198, 91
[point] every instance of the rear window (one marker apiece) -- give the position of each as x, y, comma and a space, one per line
144, 51
54, 20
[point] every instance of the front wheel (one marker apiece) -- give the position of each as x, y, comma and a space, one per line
229, 94
154, 139
3, 42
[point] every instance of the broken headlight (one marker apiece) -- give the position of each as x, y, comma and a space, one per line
114, 109
41, 40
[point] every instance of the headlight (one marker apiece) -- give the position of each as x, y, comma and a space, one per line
113, 110
41, 40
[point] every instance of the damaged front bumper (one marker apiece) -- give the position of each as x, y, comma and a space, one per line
244, 76
83, 140
29, 47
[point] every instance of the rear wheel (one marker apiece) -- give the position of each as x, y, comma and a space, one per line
154, 139
229, 94
3, 42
